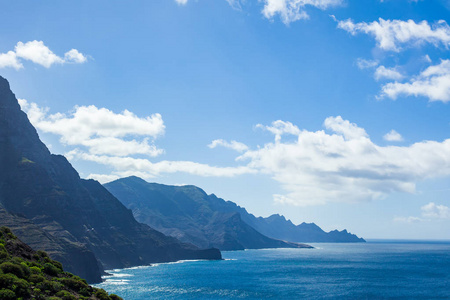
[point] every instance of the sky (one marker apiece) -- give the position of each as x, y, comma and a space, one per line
328, 111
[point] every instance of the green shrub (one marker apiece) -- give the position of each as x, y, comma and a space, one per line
25, 269
74, 284
36, 278
79, 278
50, 286
8, 267
3, 252
115, 297
58, 265
21, 288
7, 294
51, 270
35, 270
7, 280
101, 294
65, 295
85, 291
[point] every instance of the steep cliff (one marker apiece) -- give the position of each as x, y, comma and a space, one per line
81, 223
189, 214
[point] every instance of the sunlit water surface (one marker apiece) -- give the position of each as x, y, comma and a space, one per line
374, 270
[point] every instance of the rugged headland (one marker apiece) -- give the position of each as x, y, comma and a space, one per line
78, 222
29, 274
189, 214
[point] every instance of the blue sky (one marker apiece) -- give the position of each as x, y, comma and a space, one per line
327, 111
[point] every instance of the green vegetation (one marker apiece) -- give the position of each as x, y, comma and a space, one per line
26, 161
28, 274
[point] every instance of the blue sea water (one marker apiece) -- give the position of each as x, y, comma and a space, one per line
374, 270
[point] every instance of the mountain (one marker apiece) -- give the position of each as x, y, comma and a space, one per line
29, 274
277, 226
78, 222
190, 215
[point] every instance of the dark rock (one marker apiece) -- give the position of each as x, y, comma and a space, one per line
77, 221
189, 214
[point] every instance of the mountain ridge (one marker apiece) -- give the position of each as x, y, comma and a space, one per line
191, 215
42, 192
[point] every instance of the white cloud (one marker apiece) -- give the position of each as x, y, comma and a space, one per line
126, 166
387, 73
38, 53
102, 178
408, 219
9, 59
348, 130
338, 164
430, 212
393, 136
433, 211
366, 64
240, 147
181, 2
294, 10
73, 56
346, 166
391, 35
433, 83
99, 129
280, 128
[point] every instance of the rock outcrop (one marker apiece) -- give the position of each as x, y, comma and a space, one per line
77, 221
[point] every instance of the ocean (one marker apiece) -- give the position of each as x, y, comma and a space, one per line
373, 270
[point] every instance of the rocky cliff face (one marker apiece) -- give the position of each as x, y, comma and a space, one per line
81, 223
189, 214
278, 227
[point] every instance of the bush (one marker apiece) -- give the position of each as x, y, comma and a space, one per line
101, 294
3, 253
36, 278
51, 270
50, 286
7, 280
7, 294
35, 270
74, 284
8, 267
25, 269
65, 295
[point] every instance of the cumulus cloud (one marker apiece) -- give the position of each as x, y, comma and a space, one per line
433, 211
294, 10
393, 136
126, 166
10, 60
337, 164
387, 73
345, 165
99, 129
39, 53
392, 35
279, 128
432, 83
240, 147
430, 212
